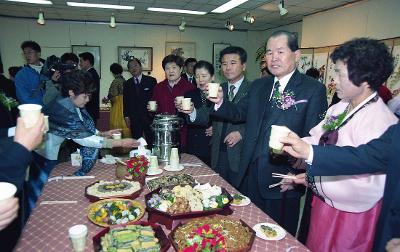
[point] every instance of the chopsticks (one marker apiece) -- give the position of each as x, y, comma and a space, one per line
279, 175
62, 177
55, 202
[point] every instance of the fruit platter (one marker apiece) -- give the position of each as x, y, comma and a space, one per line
170, 180
213, 233
115, 211
138, 236
113, 189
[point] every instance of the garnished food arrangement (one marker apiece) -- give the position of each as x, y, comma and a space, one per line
216, 233
185, 199
115, 211
237, 199
171, 180
130, 238
269, 232
108, 189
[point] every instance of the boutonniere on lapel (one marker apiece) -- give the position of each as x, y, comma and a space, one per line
333, 122
286, 100
8, 102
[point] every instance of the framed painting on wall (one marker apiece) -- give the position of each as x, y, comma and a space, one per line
95, 50
306, 60
217, 48
183, 49
143, 54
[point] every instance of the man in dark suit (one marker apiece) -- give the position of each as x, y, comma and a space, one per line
137, 92
86, 62
189, 71
380, 155
290, 99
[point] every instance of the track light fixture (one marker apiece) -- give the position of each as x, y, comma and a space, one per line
40, 19
229, 26
182, 25
112, 21
248, 18
282, 10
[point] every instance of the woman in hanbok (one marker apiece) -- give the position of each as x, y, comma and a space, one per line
345, 209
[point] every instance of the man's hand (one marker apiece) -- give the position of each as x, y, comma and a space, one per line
295, 146
393, 245
56, 76
288, 184
110, 132
209, 131
8, 211
233, 138
178, 106
220, 96
30, 138
126, 143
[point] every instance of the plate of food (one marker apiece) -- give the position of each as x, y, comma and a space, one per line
138, 236
114, 211
269, 231
169, 180
153, 172
217, 233
170, 168
99, 190
240, 200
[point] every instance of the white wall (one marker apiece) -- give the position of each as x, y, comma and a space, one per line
374, 18
56, 37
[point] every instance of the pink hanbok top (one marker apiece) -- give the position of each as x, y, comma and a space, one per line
356, 193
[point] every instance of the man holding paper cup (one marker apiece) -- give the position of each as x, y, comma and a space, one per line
288, 99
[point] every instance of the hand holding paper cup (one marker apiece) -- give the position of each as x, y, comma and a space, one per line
78, 234
213, 90
117, 135
277, 132
153, 106
186, 103
179, 99
30, 114
7, 190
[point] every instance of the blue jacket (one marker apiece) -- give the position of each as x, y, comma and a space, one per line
27, 84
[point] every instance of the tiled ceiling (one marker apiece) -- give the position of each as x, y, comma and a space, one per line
265, 12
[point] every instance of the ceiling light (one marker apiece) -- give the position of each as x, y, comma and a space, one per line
229, 5
112, 21
102, 6
282, 10
182, 27
177, 11
229, 26
31, 1
248, 18
40, 19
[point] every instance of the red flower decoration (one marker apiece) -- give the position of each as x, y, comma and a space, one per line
137, 165
207, 239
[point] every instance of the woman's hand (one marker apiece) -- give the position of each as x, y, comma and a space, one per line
126, 143
288, 184
110, 132
8, 211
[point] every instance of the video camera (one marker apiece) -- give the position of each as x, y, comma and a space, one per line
53, 63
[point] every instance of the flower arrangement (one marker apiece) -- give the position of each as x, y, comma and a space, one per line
332, 122
205, 239
285, 100
8, 102
137, 166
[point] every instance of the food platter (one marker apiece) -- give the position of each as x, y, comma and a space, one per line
240, 200
163, 240
169, 180
113, 189
114, 211
269, 231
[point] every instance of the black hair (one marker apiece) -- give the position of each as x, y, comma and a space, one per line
133, 59
12, 71
116, 68
206, 65
31, 44
313, 72
291, 39
367, 60
172, 58
190, 60
80, 82
87, 56
234, 50
69, 57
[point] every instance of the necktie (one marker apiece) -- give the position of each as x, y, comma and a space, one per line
276, 87
231, 95
136, 81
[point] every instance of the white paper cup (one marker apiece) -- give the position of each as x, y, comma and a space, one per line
153, 105
78, 235
179, 99
174, 158
117, 135
153, 162
277, 132
7, 190
213, 90
30, 114
186, 103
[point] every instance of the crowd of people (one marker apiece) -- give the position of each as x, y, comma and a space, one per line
354, 188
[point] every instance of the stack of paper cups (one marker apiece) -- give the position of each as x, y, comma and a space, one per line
78, 234
277, 132
153, 163
174, 158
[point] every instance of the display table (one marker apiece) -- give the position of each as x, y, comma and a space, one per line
47, 227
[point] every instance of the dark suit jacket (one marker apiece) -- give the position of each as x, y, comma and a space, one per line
93, 106
379, 155
183, 75
260, 113
217, 123
135, 103
8, 118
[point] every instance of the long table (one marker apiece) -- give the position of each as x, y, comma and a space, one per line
47, 227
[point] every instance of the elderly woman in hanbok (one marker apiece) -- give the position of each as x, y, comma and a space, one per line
345, 209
